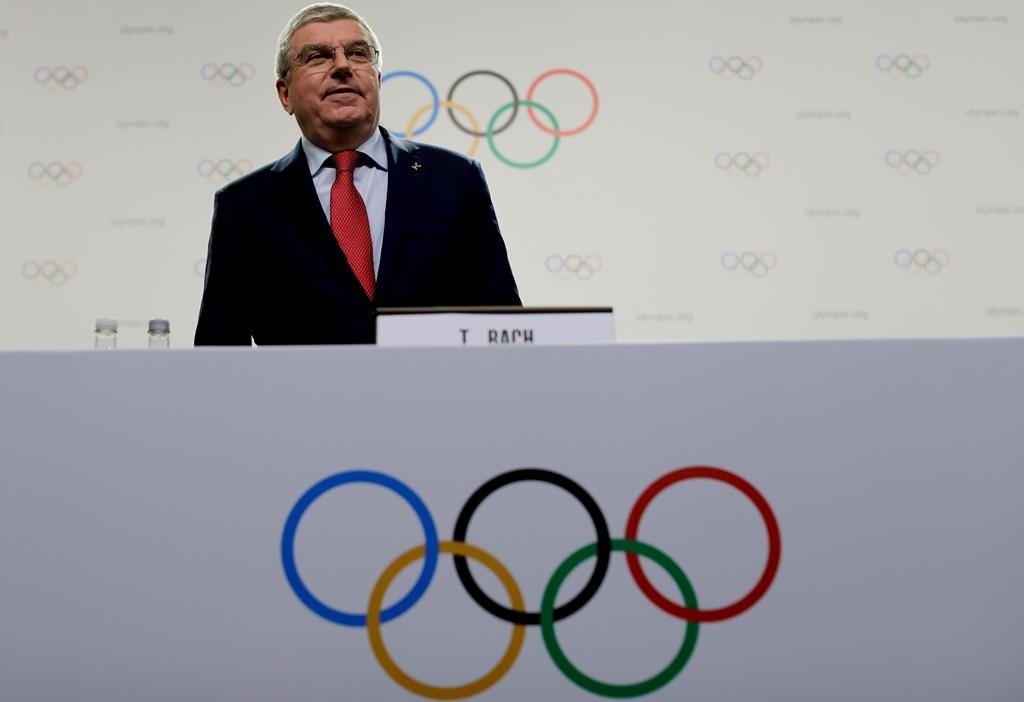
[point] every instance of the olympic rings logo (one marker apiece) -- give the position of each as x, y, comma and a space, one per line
49, 271
227, 73
742, 163
517, 615
920, 162
61, 77
736, 67
502, 118
903, 65
62, 174
574, 266
749, 263
223, 170
922, 260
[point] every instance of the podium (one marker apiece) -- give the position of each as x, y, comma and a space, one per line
782, 521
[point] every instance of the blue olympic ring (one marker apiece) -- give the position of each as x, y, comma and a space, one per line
359, 476
433, 95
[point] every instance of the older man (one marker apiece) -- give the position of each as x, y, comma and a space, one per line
304, 250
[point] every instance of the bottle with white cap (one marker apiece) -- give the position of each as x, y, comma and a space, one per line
106, 333
159, 334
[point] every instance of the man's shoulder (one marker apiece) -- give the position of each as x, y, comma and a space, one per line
260, 180
437, 155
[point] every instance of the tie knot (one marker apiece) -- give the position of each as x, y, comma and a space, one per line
346, 161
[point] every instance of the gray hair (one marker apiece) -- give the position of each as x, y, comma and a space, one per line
319, 12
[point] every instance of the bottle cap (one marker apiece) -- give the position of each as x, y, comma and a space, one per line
106, 324
159, 326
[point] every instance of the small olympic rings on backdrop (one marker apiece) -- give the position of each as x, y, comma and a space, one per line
223, 170
519, 615
227, 73
55, 172
736, 66
903, 65
922, 260
465, 120
49, 271
574, 266
906, 162
61, 77
749, 263
742, 163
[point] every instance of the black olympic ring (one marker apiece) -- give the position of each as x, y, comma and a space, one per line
498, 130
604, 544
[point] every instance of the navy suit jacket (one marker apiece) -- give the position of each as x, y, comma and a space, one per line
276, 275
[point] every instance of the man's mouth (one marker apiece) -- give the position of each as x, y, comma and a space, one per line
342, 90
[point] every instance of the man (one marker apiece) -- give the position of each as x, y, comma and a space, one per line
304, 250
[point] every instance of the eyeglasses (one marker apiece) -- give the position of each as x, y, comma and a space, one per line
318, 58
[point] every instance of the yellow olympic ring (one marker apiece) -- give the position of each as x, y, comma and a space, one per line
454, 106
389, 666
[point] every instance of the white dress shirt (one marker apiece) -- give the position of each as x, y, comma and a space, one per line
371, 181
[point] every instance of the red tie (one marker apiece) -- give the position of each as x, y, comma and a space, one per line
349, 222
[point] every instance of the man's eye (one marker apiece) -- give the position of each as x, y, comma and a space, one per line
361, 53
317, 56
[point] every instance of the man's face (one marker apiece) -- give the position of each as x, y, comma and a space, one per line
336, 103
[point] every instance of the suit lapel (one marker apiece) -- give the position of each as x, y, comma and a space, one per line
405, 182
301, 200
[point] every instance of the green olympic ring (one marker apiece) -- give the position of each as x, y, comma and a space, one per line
547, 621
519, 164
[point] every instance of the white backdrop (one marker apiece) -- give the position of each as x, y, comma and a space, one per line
754, 170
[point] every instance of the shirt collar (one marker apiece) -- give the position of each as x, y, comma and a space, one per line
373, 148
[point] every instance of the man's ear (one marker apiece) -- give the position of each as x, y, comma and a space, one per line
282, 95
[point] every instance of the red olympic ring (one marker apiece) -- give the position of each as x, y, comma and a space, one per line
774, 545
562, 132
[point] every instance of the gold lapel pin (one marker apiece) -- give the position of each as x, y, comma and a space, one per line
416, 166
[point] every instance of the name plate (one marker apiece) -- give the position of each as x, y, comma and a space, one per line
494, 326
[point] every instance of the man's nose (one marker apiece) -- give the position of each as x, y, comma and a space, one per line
341, 63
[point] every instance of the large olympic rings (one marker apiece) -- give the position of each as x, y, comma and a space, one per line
55, 172
517, 613
49, 271
496, 124
61, 77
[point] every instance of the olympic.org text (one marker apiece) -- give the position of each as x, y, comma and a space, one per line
832, 213
982, 19
147, 29
817, 21
845, 115
137, 222
142, 124
1000, 312
991, 113
984, 211
665, 317
840, 315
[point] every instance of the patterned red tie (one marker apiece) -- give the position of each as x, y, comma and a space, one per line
349, 221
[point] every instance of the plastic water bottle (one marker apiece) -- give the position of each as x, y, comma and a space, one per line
159, 334
106, 333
